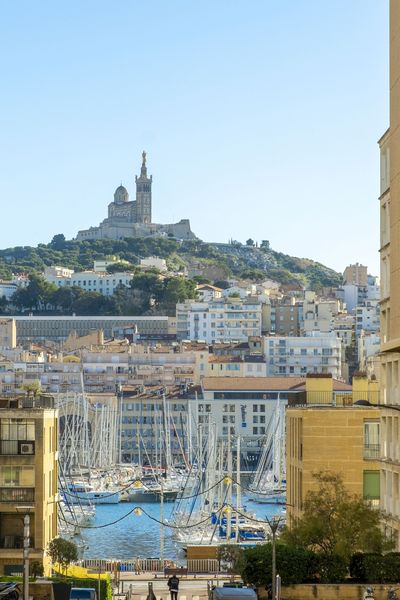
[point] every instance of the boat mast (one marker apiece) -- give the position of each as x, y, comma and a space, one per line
238, 484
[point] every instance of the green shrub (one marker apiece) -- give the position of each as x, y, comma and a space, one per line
331, 568
375, 568
105, 584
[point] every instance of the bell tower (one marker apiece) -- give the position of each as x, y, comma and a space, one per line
143, 194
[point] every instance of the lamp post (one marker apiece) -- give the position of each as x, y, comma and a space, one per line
25, 510
274, 526
26, 555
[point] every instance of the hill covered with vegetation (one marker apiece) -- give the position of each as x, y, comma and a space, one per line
211, 261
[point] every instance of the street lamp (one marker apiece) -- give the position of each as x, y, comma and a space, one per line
274, 526
26, 546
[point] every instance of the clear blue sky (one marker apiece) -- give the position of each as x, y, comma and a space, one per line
260, 118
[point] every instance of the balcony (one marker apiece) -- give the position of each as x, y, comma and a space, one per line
372, 451
14, 542
17, 494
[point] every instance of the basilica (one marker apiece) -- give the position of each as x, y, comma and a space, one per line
132, 218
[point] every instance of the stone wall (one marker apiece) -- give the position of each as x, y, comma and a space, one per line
329, 592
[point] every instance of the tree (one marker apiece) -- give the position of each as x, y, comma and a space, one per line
336, 522
58, 241
33, 388
230, 555
62, 552
36, 296
121, 267
36, 569
250, 242
294, 565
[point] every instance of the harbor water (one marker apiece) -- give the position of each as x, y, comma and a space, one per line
138, 536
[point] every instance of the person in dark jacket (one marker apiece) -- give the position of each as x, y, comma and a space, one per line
173, 584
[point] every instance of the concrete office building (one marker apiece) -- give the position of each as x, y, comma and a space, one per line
56, 328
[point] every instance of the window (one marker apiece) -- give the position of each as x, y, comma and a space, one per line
232, 408
225, 430
255, 430
17, 429
291, 369
224, 419
255, 407
17, 476
255, 419
303, 351
262, 419
232, 419
262, 407
371, 486
371, 440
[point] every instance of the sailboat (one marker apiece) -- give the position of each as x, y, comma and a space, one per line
269, 483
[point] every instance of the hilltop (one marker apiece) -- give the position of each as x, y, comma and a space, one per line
213, 261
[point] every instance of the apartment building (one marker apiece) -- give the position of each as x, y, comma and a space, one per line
355, 275
104, 369
298, 356
317, 315
28, 479
285, 318
244, 406
8, 333
368, 317
342, 439
91, 281
218, 320
390, 299
156, 423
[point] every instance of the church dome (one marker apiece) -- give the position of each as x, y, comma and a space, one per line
121, 195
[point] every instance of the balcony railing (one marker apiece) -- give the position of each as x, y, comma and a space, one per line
329, 398
13, 542
372, 451
17, 494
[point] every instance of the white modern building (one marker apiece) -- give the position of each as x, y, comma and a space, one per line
368, 317
219, 320
298, 356
91, 281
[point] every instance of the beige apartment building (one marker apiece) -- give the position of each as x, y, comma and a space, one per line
328, 431
355, 275
8, 333
28, 479
390, 300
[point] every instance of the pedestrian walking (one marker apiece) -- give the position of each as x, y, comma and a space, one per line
173, 584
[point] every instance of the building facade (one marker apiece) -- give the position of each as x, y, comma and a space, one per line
56, 328
298, 356
390, 280
219, 320
340, 439
90, 281
8, 333
28, 480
